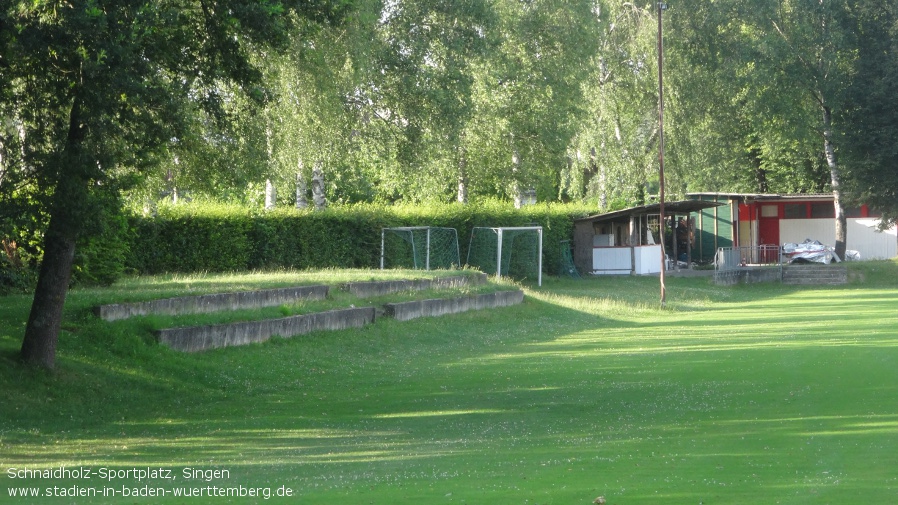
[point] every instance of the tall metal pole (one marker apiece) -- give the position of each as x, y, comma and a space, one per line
661, 7
499, 256
539, 275
427, 263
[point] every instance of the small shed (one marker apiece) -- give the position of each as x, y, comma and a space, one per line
629, 241
715, 227
756, 220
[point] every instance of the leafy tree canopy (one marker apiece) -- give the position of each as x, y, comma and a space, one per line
96, 89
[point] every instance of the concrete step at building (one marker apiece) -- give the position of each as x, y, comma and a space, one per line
829, 275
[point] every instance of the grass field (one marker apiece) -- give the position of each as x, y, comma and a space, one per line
733, 395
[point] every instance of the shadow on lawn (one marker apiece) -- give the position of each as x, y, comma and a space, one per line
543, 387
164, 407
407, 446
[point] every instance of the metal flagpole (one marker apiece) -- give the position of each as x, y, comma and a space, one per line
661, 7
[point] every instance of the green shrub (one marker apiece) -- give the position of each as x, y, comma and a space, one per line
100, 259
191, 238
16, 278
215, 238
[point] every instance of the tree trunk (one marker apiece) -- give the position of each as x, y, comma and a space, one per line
754, 157
2, 163
594, 169
516, 188
302, 200
270, 195
318, 187
829, 149
45, 319
462, 175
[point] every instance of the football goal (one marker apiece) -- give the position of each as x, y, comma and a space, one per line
515, 251
419, 248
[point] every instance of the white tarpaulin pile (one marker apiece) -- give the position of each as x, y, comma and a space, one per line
809, 251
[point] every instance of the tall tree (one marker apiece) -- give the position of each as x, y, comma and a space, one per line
528, 95
100, 87
789, 65
734, 125
618, 133
423, 90
873, 111
814, 47
315, 115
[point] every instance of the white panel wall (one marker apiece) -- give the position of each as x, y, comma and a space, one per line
861, 238
648, 259
870, 243
612, 260
797, 230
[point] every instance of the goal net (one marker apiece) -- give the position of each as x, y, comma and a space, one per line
419, 248
566, 261
516, 252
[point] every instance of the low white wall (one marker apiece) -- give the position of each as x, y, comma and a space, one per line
648, 259
640, 260
862, 238
612, 260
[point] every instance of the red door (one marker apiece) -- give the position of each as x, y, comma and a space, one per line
769, 232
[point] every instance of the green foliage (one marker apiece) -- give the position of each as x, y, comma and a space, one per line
20, 250
615, 153
754, 79
181, 240
215, 238
873, 157
404, 101
100, 258
15, 278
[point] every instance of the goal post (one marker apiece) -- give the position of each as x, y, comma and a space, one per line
419, 248
511, 251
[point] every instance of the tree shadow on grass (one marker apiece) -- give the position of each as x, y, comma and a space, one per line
614, 398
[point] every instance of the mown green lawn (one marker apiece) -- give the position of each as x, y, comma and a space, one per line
745, 394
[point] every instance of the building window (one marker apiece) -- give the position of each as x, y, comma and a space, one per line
821, 210
795, 211
854, 212
770, 210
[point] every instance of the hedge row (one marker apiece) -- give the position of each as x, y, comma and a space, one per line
196, 238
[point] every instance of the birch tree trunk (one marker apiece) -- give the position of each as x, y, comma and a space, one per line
835, 178
462, 175
318, 187
515, 174
302, 189
270, 195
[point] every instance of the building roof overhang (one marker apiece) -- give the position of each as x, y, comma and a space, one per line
767, 197
670, 208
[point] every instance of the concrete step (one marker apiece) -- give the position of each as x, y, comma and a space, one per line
815, 274
201, 338
203, 304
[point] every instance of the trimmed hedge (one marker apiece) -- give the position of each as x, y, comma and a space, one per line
214, 238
